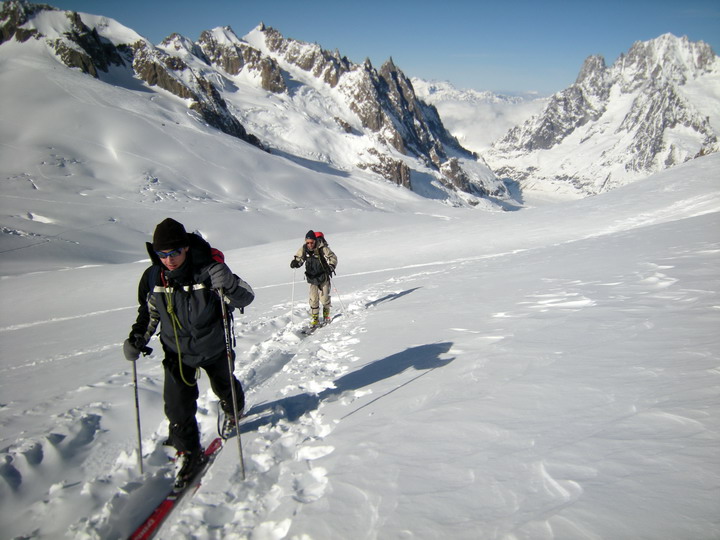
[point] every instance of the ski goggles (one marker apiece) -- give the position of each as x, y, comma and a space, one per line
166, 254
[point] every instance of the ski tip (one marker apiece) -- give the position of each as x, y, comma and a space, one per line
214, 446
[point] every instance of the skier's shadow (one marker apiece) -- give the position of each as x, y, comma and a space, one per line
423, 357
390, 297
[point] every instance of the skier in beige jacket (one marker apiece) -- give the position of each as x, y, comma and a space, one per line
320, 263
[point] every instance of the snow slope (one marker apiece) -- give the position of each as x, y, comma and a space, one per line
550, 373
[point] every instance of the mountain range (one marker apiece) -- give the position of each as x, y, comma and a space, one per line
371, 117
655, 107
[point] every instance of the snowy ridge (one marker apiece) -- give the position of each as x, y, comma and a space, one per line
654, 108
367, 119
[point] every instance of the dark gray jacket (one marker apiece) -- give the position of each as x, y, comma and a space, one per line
196, 331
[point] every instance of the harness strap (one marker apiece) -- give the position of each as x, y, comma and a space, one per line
176, 324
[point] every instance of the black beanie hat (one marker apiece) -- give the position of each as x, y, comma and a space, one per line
310, 235
169, 234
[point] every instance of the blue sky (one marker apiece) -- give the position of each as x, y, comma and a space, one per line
505, 45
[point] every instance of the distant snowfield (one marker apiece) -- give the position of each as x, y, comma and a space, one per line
549, 373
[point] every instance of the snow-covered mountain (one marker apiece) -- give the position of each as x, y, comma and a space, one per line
655, 107
360, 117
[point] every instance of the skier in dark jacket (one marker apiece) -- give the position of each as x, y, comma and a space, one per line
179, 291
320, 263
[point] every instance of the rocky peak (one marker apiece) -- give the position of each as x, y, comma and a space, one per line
593, 72
328, 67
14, 14
80, 46
385, 104
397, 134
179, 44
672, 58
223, 49
636, 111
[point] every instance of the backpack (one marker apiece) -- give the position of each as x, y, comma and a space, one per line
321, 236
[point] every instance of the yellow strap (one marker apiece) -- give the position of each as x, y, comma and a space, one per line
176, 324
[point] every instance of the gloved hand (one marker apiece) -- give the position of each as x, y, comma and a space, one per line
133, 347
220, 276
295, 263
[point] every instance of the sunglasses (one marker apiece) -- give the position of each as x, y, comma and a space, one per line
166, 254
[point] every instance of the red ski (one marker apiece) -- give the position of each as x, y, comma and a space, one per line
152, 524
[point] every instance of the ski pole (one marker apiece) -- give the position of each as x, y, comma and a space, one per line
292, 300
137, 417
338, 295
228, 349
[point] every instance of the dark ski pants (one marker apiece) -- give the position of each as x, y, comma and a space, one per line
181, 398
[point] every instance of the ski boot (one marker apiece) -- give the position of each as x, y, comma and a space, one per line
326, 315
314, 320
187, 465
229, 427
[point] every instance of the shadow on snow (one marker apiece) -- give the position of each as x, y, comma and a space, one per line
423, 358
390, 297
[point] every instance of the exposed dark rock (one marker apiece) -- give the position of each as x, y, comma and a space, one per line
84, 48
346, 127
157, 69
326, 66
16, 13
238, 56
94, 52
386, 105
384, 101
389, 168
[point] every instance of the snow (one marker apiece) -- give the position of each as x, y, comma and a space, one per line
54, 24
703, 95
549, 373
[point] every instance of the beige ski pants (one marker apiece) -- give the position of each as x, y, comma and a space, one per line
319, 293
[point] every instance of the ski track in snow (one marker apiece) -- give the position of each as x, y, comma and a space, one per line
63, 319
281, 439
